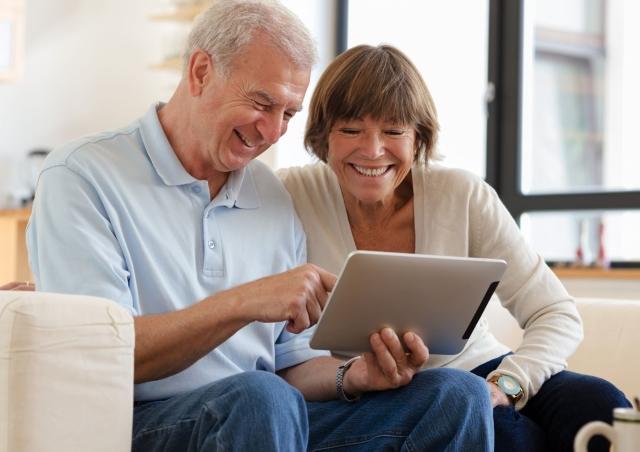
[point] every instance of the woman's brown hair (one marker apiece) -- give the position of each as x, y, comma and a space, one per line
379, 82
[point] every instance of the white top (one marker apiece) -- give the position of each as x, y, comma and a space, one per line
116, 215
457, 214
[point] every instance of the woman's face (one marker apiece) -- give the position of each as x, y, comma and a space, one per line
370, 157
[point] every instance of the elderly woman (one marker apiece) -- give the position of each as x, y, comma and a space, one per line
373, 125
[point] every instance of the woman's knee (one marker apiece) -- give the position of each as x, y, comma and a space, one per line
597, 394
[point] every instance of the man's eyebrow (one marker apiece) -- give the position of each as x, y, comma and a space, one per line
269, 99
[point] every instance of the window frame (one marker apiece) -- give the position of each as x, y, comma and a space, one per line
504, 128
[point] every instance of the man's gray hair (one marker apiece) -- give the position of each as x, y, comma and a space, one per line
228, 25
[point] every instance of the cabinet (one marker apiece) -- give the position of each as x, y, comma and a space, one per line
14, 264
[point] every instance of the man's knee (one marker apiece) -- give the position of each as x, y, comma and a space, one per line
456, 384
262, 394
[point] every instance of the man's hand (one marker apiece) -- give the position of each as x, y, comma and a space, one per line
297, 296
18, 285
387, 366
497, 396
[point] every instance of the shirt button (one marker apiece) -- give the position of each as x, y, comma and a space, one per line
211, 244
196, 189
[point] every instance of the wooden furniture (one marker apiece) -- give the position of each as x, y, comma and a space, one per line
14, 264
613, 283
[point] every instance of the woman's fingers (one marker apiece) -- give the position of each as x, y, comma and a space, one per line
418, 352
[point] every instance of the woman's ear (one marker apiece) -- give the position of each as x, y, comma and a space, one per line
199, 71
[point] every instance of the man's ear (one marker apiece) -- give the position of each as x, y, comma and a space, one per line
199, 71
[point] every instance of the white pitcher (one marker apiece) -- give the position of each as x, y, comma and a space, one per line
624, 435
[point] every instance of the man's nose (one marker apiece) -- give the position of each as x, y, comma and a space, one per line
272, 127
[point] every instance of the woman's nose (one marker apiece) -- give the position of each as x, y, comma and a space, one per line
372, 144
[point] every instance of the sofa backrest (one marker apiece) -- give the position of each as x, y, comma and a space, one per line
611, 345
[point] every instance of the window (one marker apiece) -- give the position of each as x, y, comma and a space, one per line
561, 149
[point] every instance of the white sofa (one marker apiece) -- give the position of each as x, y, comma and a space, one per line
66, 366
610, 348
66, 374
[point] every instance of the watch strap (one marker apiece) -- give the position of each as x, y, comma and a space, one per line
342, 369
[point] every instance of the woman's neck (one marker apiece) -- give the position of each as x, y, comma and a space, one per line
386, 225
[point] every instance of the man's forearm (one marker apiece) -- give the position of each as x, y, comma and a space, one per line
169, 343
316, 378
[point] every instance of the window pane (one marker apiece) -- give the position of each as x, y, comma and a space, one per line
587, 238
448, 42
581, 66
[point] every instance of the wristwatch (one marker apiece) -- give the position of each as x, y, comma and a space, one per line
509, 386
342, 369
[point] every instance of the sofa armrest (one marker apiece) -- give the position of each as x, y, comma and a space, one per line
66, 373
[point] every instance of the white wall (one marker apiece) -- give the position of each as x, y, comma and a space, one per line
86, 70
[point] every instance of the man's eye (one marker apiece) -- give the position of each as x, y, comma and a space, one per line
261, 106
348, 131
394, 132
288, 115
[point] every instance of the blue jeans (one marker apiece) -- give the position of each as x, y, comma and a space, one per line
550, 420
441, 410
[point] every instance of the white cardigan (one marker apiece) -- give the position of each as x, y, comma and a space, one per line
458, 214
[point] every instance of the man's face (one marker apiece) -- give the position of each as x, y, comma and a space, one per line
239, 116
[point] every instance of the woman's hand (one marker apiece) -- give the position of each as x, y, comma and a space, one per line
497, 396
18, 285
388, 365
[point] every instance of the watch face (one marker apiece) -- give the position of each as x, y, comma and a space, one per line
509, 385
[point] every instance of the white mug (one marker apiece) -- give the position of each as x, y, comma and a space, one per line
624, 435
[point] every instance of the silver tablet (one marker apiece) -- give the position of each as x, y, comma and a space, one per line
441, 298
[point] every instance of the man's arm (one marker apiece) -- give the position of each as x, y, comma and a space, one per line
73, 249
168, 343
18, 285
387, 366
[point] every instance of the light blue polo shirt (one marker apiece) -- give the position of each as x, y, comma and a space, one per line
116, 215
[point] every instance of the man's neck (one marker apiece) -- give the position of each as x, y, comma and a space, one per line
174, 122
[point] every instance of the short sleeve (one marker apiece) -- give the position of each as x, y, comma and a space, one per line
71, 242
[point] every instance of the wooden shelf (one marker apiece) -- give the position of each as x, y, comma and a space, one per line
181, 14
14, 263
171, 64
597, 273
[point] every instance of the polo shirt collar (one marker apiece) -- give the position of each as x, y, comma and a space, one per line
239, 190
162, 156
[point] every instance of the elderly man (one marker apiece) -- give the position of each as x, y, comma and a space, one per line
172, 218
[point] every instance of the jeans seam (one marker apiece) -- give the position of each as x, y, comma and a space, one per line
364, 439
163, 427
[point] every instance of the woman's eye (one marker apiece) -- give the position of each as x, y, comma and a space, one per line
394, 132
348, 131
